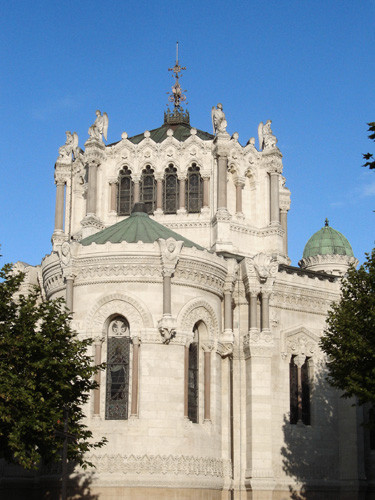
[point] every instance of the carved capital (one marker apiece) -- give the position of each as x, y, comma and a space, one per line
261, 269
170, 253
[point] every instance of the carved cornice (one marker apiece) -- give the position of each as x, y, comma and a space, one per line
326, 260
296, 298
174, 467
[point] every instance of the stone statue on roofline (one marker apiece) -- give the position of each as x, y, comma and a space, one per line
70, 146
219, 122
267, 140
100, 127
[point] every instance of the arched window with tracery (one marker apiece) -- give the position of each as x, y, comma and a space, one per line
194, 190
170, 190
193, 378
148, 189
118, 356
125, 192
300, 389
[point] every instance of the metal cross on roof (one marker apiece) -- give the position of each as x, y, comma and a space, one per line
177, 97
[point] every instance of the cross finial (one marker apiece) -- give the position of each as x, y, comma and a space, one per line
177, 96
326, 222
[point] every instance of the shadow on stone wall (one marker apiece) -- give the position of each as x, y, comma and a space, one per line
310, 454
18, 484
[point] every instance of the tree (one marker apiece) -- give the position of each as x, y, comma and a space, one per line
45, 373
369, 156
349, 338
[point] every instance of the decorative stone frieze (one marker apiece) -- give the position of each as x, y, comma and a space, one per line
336, 264
300, 342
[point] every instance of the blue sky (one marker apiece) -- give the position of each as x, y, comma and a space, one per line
307, 66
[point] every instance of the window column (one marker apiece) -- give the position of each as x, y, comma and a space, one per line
113, 195
207, 383
98, 360
135, 377
159, 194
182, 187
239, 183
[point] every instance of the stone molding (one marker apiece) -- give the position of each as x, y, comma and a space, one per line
258, 343
199, 310
132, 308
302, 300
326, 260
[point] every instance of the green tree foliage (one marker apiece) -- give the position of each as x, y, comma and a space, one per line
349, 338
44, 369
369, 157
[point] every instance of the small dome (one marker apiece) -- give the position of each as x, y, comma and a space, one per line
327, 241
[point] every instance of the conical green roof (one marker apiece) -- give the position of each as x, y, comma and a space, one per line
327, 241
137, 227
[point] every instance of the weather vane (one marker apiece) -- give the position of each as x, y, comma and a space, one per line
177, 97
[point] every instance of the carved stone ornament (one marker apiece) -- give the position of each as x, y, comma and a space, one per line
301, 343
262, 268
167, 327
170, 252
64, 253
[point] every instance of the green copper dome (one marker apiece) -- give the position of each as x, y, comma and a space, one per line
327, 241
137, 227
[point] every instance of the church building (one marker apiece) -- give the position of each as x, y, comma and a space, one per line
171, 250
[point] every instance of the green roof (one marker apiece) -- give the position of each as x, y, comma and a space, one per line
181, 132
137, 227
327, 241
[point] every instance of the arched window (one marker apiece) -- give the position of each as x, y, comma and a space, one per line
125, 192
193, 378
170, 190
148, 189
194, 190
117, 384
300, 383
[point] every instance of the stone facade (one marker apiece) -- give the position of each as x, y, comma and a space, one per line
253, 312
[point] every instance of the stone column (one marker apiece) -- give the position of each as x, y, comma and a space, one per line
228, 322
136, 190
167, 309
265, 311
239, 187
159, 194
284, 225
186, 380
59, 210
135, 377
253, 306
92, 189
69, 293
113, 195
275, 203
222, 163
206, 192
207, 385
182, 193
98, 360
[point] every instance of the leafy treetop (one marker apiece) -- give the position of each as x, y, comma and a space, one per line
44, 370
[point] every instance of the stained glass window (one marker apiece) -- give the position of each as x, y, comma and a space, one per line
299, 395
125, 192
194, 190
305, 392
193, 379
170, 190
293, 383
117, 386
148, 189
